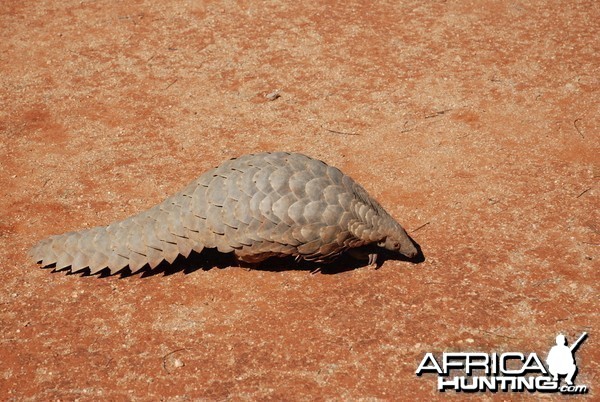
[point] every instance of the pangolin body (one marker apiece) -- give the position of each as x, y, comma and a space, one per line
256, 206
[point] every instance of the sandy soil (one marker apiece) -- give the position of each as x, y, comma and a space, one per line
476, 124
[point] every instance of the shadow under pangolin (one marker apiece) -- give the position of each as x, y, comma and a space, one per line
212, 259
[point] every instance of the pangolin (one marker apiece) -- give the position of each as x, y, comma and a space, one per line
256, 206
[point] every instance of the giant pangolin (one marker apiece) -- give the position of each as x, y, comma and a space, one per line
256, 206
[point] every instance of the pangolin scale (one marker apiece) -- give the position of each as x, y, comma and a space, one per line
256, 206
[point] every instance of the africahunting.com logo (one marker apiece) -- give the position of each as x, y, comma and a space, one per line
506, 372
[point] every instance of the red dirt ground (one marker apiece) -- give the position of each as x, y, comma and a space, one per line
475, 124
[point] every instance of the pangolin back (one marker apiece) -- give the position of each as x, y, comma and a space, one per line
256, 206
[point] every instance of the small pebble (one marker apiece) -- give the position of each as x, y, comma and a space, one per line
273, 95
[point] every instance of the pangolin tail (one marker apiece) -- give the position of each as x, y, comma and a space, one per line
147, 238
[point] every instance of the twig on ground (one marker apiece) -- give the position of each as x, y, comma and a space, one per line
169, 86
338, 132
164, 359
583, 192
420, 227
438, 113
577, 128
406, 130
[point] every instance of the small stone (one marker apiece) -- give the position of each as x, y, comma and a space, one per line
273, 95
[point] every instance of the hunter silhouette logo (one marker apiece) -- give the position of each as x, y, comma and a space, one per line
560, 358
511, 371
